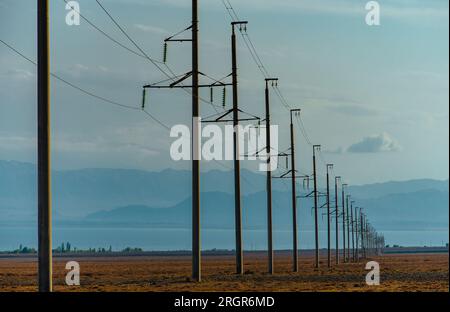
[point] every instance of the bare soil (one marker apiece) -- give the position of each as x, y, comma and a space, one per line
399, 273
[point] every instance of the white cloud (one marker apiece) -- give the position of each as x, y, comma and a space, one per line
77, 71
339, 150
132, 141
151, 29
375, 144
14, 143
393, 8
19, 74
357, 110
91, 76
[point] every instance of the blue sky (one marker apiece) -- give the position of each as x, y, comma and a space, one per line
376, 98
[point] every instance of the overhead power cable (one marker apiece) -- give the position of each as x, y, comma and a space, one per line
86, 92
156, 64
258, 61
109, 36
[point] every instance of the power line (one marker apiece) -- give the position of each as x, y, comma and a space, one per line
155, 63
142, 54
282, 99
257, 59
156, 120
253, 52
131, 39
251, 47
302, 130
86, 92
91, 94
18, 52
247, 40
109, 36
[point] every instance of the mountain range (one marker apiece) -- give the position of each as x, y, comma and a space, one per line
118, 197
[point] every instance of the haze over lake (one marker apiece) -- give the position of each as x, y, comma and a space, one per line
152, 210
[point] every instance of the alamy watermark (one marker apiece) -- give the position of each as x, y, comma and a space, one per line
73, 16
73, 276
374, 13
252, 143
373, 277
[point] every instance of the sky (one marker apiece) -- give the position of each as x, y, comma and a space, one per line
375, 97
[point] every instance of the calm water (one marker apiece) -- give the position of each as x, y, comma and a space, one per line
180, 239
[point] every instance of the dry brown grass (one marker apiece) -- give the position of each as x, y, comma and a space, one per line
420, 272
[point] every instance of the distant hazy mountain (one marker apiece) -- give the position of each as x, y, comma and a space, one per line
134, 197
382, 189
79, 192
217, 211
422, 210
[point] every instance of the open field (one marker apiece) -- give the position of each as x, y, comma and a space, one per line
399, 272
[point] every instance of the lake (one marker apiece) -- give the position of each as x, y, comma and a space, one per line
158, 239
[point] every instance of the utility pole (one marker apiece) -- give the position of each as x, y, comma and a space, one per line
343, 219
336, 181
348, 229
356, 233
367, 236
375, 243
329, 167
361, 217
293, 177
44, 171
196, 131
237, 165
316, 213
294, 194
352, 221
269, 178
196, 249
